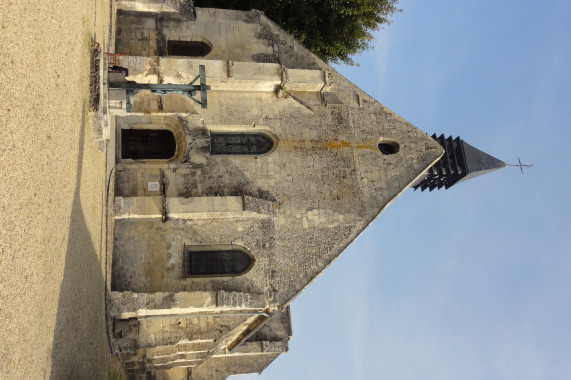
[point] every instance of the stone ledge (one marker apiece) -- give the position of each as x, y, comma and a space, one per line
191, 208
181, 348
304, 80
261, 347
125, 305
184, 7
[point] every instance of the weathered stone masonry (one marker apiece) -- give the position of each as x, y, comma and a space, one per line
294, 208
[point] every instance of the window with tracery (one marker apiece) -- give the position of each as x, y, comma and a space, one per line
244, 143
218, 262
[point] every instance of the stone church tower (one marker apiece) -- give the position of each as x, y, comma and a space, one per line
231, 197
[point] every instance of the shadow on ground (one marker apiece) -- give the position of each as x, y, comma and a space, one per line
80, 349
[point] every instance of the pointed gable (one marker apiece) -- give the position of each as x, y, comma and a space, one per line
289, 163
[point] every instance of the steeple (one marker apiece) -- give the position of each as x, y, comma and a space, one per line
460, 162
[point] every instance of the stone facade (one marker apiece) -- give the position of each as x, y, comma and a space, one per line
293, 209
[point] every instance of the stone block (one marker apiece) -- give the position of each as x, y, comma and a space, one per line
304, 80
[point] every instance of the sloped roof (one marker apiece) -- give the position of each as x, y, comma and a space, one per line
460, 162
479, 163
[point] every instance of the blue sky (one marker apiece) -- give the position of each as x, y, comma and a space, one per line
473, 282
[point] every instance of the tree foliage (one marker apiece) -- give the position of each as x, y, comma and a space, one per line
332, 29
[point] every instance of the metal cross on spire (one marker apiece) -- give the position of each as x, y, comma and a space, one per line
521, 166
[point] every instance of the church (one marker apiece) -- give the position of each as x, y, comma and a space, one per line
240, 167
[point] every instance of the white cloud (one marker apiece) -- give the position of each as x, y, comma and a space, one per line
381, 50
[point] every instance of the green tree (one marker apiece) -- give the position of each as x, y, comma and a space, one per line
332, 29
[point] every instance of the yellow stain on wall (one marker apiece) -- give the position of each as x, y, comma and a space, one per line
368, 145
338, 144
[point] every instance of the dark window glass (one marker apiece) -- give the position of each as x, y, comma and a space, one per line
240, 143
147, 144
389, 147
188, 48
217, 263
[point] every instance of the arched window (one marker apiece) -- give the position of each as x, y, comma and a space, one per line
188, 48
147, 144
243, 143
233, 261
389, 147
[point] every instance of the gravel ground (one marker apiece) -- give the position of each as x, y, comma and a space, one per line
52, 321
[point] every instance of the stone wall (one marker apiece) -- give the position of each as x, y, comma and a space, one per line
294, 209
183, 7
242, 36
326, 177
219, 368
162, 342
232, 35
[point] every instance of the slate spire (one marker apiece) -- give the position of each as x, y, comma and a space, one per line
460, 162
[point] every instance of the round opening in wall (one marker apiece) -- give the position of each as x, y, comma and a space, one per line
389, 147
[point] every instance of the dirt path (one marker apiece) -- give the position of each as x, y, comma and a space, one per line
52, 321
